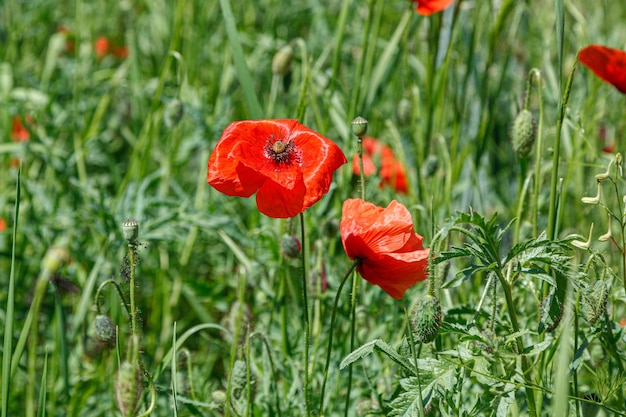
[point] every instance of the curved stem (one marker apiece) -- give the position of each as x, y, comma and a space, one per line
119, 292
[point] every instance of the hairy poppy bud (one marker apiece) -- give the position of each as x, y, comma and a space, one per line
130, 228
359, 127
128, 388
173, 113
281, 63
426, 318
523, 133
55, 257
290, 246
594, 301
104, 330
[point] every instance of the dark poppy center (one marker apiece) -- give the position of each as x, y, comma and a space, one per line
279, 151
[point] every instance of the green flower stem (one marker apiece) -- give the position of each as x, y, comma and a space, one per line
526, 368
119, 292
361, 173
305, 320
331, 332
358, 76
355, 284
538, 151
554, 180
131, 284
241, 292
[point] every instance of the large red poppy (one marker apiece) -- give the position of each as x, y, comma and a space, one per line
607, 63
389, 251
428, 7
286, 164
391, 170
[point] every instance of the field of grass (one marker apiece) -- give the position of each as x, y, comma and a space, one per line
109, 112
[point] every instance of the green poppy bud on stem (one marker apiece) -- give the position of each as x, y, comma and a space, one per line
523, 133
290, 246
128, 388
55, 257
359, 127
594, 301
281, 63
426, 318
105, 330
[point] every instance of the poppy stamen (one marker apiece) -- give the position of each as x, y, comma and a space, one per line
279, 151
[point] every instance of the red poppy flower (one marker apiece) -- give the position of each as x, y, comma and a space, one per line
391, 170
428, 7
101, 46
607, 63
120, 52
391, 254
19, 133
3, 225
286, 164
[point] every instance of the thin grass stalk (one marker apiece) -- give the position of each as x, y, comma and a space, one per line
10, 308
538, 152
41, 404
241, 292
358, 75
174, 375
331, 331
339, 35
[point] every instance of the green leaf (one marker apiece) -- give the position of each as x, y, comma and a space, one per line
380, 346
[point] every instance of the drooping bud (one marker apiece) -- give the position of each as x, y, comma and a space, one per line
281, 63
105, 331
426, 318
359, 127
596, 199
130, 228
55, 257
173, 113
583, 245
290, 246
128, 388
523, 133
594, 301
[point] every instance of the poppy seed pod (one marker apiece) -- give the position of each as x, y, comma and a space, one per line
128, 388
426, 318
105, 330
281, 63
130, 228
359, 126
523, 133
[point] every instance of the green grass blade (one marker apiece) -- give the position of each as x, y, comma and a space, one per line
560, 27
10, 311
41, 406
245, 78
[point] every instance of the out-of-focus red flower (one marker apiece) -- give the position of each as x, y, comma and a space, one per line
287, 165
428, 7
69, 38
3, 225
608, 146
120, 52
19, 133
101, 47
389, 252
607, 63
391, 170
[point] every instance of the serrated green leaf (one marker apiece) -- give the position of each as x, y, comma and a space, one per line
381, 346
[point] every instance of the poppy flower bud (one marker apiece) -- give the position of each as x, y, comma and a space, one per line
55, 257
290, 246
426, 318
130, 228
219, 396
281, 63
173, 113
359, 127
523, 133
594, 301
105, 330
128, 388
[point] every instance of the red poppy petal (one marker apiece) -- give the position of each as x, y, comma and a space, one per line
276, 201
607, 63
227, 175
393, 174
395, 273
428, 7
320, 158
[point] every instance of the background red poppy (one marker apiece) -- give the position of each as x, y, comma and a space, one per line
607, 63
